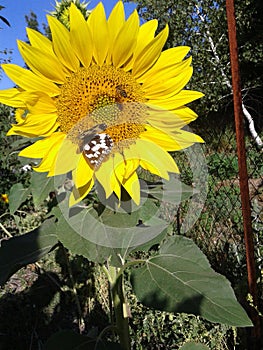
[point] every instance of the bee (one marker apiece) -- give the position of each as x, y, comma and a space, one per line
120, 91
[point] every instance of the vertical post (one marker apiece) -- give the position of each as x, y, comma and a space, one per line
243, 175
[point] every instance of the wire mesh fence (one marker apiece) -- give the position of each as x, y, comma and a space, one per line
219, 229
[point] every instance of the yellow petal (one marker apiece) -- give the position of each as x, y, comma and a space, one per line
171, 86
131, 158
179, 100
119, 168
153, 77
150, 54
163, 119
67, 158
50, 157
168, 59
125, 171
80, 36
20, 115
156, 157
106, 176
185, 113
83, 172
30, 81
36, 125
115, 23
40, 41
126, 40
160, 138
79, 193
42, 64
17, 98
43, 105
126, 164
186, 138
116, 188
40, 148
99, 31
12, 97
61, 44
132, 186
145, 36
174, 141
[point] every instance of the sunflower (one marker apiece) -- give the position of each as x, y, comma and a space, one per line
104, 99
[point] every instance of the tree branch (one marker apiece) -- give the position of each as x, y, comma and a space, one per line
246, 113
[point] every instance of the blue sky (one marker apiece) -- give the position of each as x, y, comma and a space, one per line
15, 11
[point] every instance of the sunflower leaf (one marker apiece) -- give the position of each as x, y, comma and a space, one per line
28, 248
17, 195
41, 186
173, 191
180, 279
84, 232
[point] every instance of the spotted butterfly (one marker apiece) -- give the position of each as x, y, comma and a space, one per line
96, 145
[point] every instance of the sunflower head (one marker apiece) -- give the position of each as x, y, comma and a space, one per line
104, 99
61, 11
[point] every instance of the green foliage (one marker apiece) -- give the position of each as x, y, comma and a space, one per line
193, 346
32, 21
223, 166
21, 250
180, 279
10, 167
152, 329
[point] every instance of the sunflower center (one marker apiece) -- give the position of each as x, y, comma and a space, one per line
102, 95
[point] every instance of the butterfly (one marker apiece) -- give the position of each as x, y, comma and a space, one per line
95, 144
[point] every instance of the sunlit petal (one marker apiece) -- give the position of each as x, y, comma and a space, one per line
98, 26
61, 44
79, 36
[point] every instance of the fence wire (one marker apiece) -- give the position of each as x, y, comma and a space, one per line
219, 229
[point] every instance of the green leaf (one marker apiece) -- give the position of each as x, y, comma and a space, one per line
68, 340
121, 219
17, 195
193, 346
180, 279
19, 251
77, 244
172, 191
41, 186
83, 233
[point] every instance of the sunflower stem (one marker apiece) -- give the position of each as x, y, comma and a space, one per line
120, 307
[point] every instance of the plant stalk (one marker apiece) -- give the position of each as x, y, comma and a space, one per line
120, 307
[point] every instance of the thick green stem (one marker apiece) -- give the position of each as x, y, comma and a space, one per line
120, 307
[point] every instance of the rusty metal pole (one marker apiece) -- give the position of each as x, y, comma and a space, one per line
243, 175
